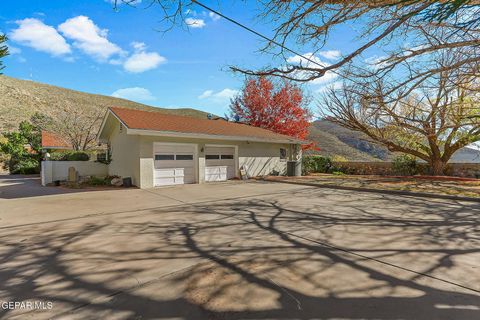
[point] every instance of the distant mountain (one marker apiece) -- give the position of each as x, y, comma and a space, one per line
334, 140
20, 99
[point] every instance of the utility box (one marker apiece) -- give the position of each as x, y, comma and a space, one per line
127, 182
294, 168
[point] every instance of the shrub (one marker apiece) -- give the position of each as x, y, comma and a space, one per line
70, 156
25, 166
338, 158
100, 181
316, 164
96, 181
405, 165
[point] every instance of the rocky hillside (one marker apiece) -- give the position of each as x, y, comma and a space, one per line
335, 140
19, 99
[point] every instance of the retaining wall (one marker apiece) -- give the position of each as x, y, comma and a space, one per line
58, 170
470, 170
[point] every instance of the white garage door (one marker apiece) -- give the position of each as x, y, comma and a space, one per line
219, 163
174, 164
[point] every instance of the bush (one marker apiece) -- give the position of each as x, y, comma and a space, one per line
70, 156
339, 158
25, 166
405, 165
96, 181
100, 181
316, 164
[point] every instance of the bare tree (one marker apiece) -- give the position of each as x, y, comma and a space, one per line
431, 123
76, 125
402, 30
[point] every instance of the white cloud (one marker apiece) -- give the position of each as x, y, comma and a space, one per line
310, 60
206, 94
330, 54
34, 33
138, 46
134, 93
14, 50
142, 60
222, 96
195, 23
307, 59
89, 38
376, 62
214, 16
334, 85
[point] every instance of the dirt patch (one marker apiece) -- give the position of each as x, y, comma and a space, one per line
464, 187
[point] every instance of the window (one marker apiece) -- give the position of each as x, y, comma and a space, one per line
227, 156
283, 154
164, 157
212, 157
102, 156
184, 157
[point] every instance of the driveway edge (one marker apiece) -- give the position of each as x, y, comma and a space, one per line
392, 192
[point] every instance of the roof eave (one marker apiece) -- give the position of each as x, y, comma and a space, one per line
147, 132
104, 121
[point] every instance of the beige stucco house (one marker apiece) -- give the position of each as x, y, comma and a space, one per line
157, 149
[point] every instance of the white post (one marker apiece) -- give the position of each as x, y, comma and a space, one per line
46, 172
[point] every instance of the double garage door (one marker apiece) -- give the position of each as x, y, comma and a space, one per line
175, 164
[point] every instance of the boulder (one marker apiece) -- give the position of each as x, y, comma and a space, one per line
117, 182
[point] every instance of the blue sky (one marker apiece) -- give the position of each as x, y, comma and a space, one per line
87, 46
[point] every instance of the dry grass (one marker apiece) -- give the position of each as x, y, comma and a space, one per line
20, 99
465, 188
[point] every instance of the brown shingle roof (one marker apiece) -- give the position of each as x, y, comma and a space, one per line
52, 140
151, 120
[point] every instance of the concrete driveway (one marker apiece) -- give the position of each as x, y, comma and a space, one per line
240, 251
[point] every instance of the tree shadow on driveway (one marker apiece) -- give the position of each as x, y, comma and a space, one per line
301, 256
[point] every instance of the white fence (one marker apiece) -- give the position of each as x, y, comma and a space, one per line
58, 170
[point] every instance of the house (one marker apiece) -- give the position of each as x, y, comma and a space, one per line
52, 141
157, 149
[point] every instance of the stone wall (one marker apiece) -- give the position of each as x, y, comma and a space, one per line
470, 170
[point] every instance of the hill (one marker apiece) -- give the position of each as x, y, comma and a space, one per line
354, 146
333, 139
20, 99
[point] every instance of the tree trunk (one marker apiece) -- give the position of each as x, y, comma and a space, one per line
437, 167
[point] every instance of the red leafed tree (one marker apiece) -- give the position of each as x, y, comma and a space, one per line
280, 107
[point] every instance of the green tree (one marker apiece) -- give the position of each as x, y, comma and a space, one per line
23, 148
3, 49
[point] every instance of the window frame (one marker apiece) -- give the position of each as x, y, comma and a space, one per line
165, 155
190, 157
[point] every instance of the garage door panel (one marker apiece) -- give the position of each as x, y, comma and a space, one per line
219, 163
164, 181
163, 173
174, 164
